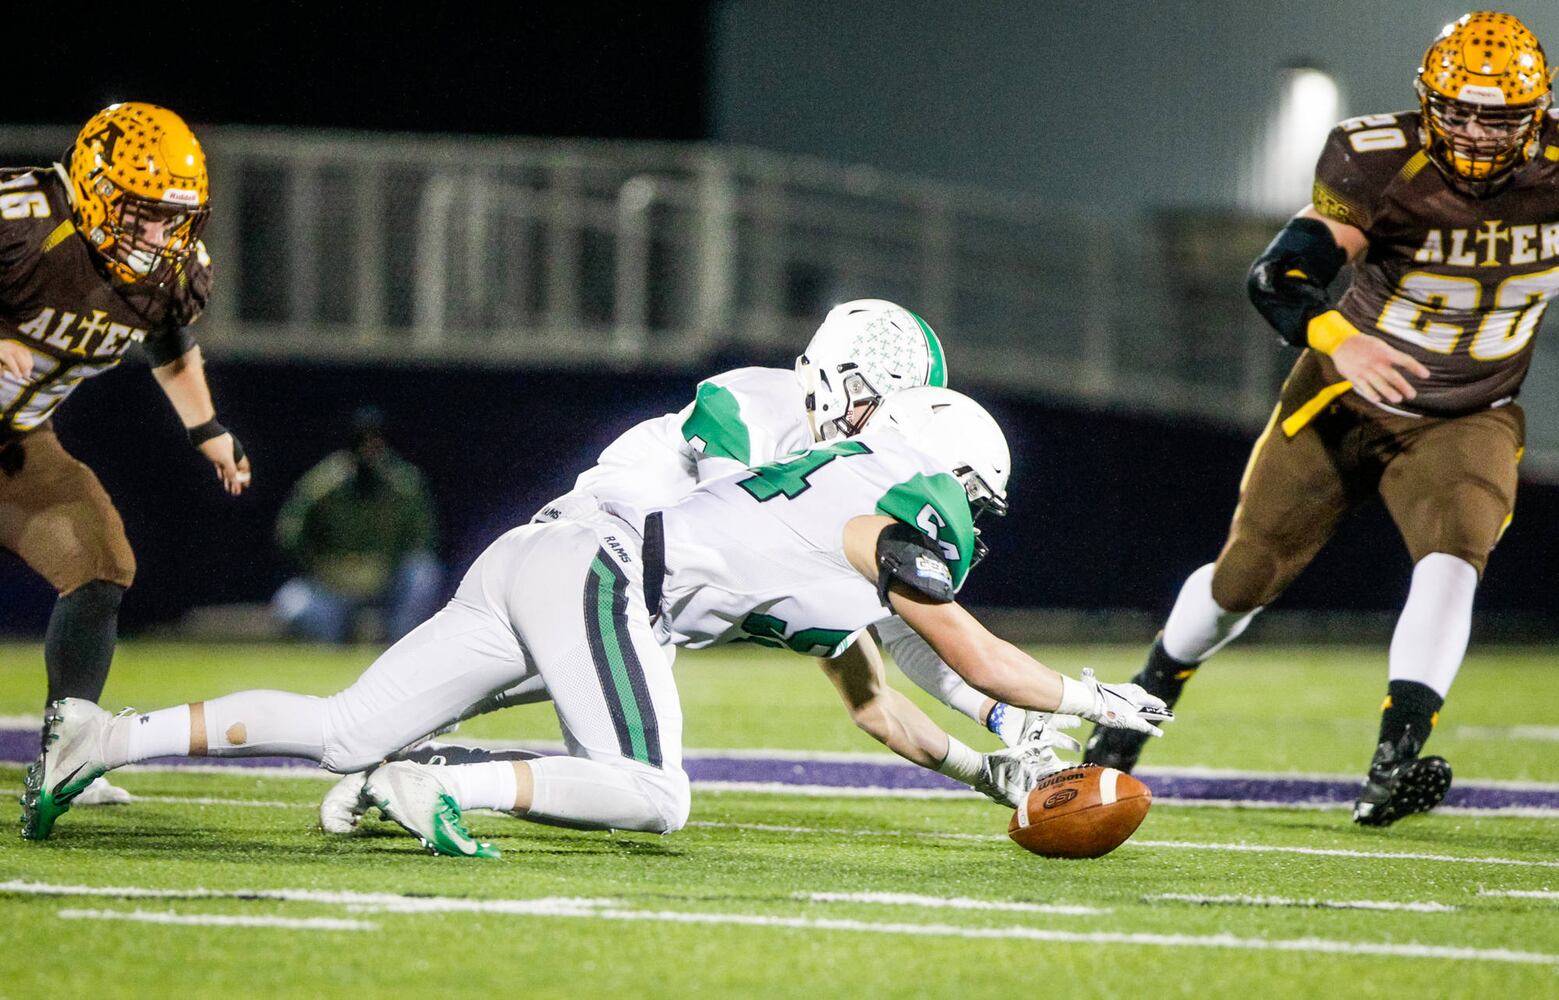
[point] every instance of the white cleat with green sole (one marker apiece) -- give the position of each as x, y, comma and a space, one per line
72, 759
412, 795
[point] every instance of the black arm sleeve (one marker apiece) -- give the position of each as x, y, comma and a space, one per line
168, 346
907, 556
1287, 283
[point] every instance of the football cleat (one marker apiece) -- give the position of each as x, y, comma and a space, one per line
1400, 783
344, 804
71, 759
1117, 748
412, 795
101, 793
1162, 676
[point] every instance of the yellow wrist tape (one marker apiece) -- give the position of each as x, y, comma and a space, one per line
1328, 330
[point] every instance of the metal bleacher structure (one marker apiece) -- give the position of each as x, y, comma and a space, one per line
405, 249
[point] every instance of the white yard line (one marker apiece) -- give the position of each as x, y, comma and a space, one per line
1536, 734
363, 902
181, 800
836, 791
948, 903
1342, 853
1520, 893
606, 910
1315, 904
221, 920
841, 831
1169, 844
1313, 945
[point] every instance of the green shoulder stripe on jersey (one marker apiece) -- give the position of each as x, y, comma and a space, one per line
715, 426
937, 374
939, 507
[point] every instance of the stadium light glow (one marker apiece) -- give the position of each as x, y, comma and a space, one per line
1282, 166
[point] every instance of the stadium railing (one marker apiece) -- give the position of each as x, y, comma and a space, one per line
406, 249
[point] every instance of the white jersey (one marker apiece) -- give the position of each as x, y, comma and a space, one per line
758, 556
749, 416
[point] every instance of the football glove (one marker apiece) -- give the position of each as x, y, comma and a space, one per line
1007, 775
1114, 706
1047, 730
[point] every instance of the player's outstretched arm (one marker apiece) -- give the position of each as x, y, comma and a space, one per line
902, 727
875, 546
183, 381
881, 712
1006, 673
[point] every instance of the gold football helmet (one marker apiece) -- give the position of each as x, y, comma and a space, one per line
141, 190
1483, 89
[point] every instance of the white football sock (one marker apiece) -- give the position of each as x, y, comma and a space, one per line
1197, 626
264, 724
590, 794
163, 733
490, 785
1431, 635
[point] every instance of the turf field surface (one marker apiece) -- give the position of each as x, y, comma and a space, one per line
218, 880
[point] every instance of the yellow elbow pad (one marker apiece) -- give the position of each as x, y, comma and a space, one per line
1328, 330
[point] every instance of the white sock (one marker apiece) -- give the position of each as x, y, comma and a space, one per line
589, 794
1198, 627
489, 785
164, 733
1431, 635
265, 724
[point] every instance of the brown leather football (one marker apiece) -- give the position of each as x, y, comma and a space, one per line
1081, 812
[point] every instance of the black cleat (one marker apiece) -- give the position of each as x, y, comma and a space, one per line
1117, 748
1163, 676
1400, 783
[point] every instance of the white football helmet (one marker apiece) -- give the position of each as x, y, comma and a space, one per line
965, 439
865, 351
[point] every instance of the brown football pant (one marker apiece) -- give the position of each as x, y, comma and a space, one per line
56, 515
1448, 483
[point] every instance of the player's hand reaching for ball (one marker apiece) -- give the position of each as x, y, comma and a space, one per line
1375, 369
15, 359
1116, 706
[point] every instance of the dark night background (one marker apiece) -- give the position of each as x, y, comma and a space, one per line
1108, 510
631, 71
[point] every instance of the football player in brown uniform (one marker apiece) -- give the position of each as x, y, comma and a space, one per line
1450, 218
97, 254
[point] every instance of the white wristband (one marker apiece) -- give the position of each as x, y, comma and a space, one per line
1077, 698
961, 762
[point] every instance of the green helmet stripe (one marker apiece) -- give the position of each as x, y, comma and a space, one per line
936, 374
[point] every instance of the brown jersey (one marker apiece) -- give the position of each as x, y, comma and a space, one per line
1458, 282
77, 321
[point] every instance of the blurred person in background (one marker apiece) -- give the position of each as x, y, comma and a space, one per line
1407, 387
97, 253
361, 527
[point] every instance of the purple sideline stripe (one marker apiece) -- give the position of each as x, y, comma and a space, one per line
20, 746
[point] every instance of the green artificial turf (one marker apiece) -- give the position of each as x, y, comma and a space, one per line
725, 907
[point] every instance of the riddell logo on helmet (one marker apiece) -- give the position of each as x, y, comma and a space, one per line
1474, 94
182, 196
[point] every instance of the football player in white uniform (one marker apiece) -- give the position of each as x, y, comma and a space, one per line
805, 553
864, 351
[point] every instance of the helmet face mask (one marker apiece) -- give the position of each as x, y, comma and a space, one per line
864, 351
140, 191
965, 440
1483, 90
